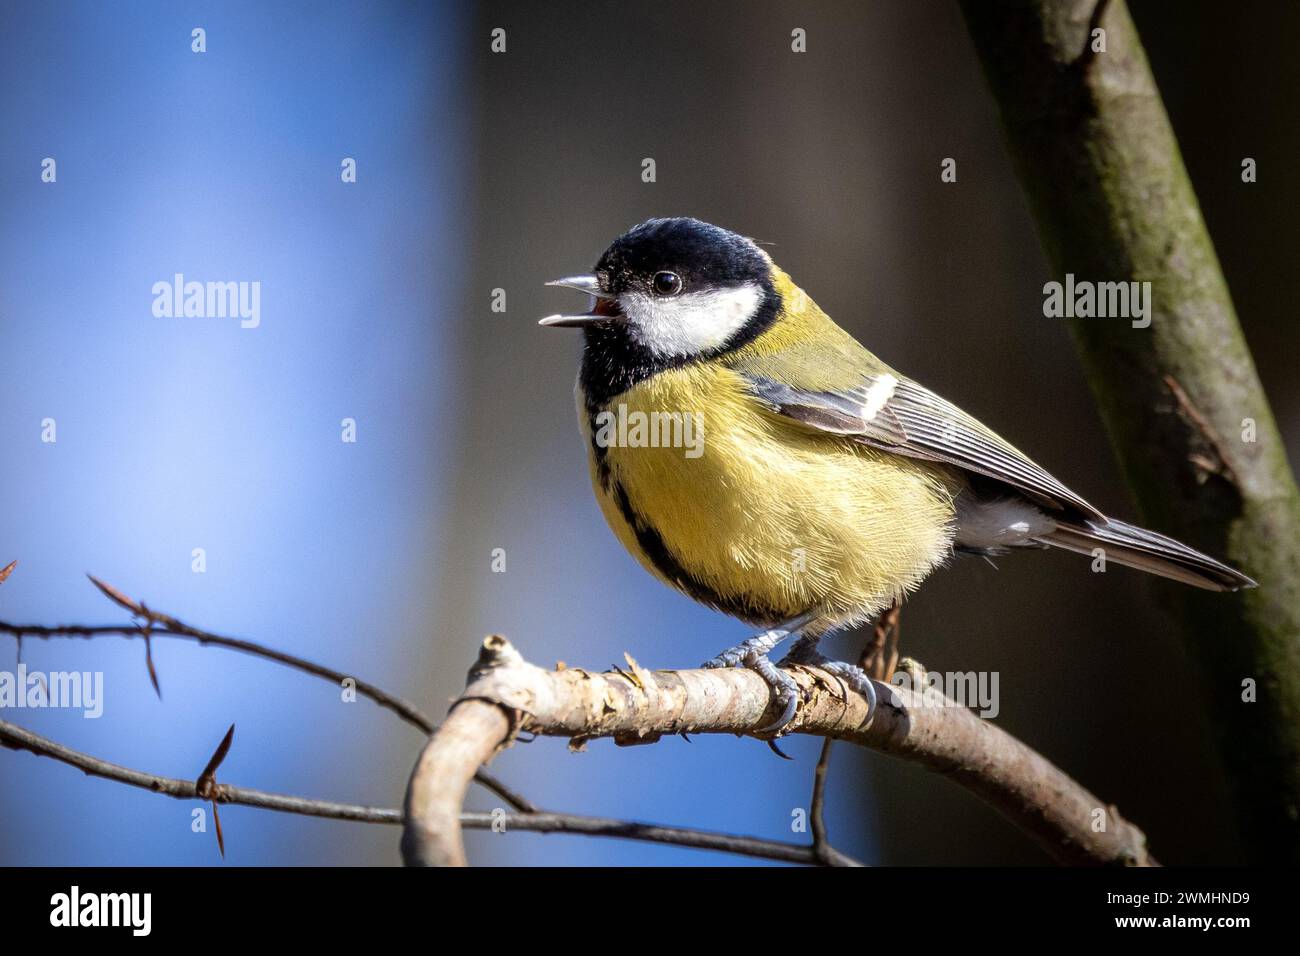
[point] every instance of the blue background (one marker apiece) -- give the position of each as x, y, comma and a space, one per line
177, 433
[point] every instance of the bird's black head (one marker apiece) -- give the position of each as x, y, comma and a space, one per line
669, 292
666, 258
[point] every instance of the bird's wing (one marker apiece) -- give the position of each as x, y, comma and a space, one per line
895, 414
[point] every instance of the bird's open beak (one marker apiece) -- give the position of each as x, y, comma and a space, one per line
602, 309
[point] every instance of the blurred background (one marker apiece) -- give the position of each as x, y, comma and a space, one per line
479, 171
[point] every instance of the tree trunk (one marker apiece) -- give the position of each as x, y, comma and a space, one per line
1181, 399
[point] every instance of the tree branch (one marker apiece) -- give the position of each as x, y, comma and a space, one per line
507, 695
1181, 398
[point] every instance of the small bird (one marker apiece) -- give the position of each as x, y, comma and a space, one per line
828, 485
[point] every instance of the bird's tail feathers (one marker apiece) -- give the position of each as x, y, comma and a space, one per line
1147, 551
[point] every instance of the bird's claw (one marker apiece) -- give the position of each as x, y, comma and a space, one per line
857, 679
752, 655
853, 676
785, 692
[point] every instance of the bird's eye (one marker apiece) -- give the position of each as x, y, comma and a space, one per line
666, 283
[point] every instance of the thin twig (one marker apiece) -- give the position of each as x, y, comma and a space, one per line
880, 654
206, 785
19, 738
158, 624
408, 712
822, 850
652, 833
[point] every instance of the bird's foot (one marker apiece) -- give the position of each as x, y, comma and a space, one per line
785, 691
752, 655
805, 652
759, 644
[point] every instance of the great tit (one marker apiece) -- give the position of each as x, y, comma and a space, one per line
829, 484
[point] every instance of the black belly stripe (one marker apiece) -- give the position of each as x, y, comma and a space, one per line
601, 458
742, 606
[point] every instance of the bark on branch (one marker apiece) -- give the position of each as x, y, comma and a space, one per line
507, 695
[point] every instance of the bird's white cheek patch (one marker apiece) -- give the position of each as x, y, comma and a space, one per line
690, 323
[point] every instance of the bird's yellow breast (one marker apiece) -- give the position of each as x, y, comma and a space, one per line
771, 520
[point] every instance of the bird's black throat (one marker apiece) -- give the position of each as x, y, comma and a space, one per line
613, 360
